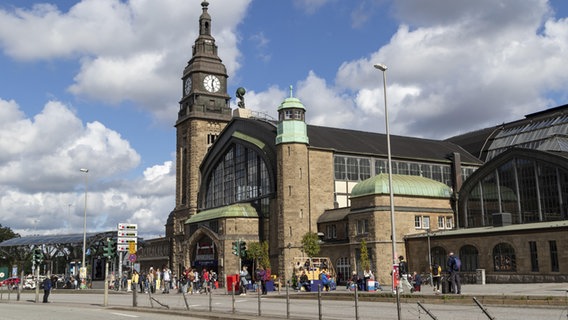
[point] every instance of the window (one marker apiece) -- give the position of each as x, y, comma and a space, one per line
342, 267
352, 169
426, 222
469, 258
339, 164
534, 256
422, 222
449, 222
362, 226
331, 232
554, 266
504, 258
365, 169
441, 222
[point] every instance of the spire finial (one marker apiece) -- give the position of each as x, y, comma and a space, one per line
291, 91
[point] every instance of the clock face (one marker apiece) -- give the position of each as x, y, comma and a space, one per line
211, 83
187, 86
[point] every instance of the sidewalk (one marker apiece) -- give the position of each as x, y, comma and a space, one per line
494, 289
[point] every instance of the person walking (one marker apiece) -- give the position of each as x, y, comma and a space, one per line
47, 284
454, 266
403, 275
244, 275
436, 272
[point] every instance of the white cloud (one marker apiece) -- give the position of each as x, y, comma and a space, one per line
42, 189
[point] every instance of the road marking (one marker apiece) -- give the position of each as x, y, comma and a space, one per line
125, 315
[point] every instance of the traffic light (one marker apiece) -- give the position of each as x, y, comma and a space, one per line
242, 248
37, 256
109, 251
236, 248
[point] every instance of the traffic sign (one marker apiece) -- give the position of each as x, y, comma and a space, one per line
132, 257
125, 240
127, 226
129, 233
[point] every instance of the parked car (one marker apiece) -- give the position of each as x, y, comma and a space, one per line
11, 283
30, 283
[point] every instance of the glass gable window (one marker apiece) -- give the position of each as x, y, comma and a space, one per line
531, 190
241, 175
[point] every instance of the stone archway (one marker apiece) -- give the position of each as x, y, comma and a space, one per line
204, 250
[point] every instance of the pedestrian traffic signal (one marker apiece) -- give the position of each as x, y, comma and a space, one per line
37, 256
109, 251
236, 248
242, 248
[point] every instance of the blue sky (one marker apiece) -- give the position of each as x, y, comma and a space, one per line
96, 83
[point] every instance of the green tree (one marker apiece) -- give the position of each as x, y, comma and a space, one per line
9, 255
258, 252
365, 263
310, 244
6, 233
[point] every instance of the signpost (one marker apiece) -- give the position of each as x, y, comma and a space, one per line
127, 241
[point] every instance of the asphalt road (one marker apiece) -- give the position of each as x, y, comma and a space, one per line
69, 304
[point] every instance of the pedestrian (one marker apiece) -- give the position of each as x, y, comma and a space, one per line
166, 277
454, 266
244, 275
367, 275
417, 281
261, 276
403, 275
436, 272
47, 284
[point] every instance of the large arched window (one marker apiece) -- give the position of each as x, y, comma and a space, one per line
240, 175
469, 257
504, 258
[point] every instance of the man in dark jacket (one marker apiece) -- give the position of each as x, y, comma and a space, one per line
46, 289
453, 269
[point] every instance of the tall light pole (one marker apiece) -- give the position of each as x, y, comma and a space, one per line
83, 265
384, 68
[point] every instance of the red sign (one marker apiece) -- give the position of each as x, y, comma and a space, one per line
132, 257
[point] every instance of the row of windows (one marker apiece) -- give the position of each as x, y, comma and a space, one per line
423, 222
359, 169
420, 222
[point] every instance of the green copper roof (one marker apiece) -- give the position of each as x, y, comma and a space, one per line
402, 185
239, 210
291, 103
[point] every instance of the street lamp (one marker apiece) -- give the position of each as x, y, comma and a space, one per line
83, 272
384, 68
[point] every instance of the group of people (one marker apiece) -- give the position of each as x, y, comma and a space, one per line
453, 266
261, 275
194, 281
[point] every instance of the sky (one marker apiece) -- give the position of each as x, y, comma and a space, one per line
96, 84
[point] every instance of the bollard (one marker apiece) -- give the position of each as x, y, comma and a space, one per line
356, 304
207, 288
134, 297
233, 297
287, 300
320, 313
258, 290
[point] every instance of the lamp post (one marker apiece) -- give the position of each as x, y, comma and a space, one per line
383, 69
83, 272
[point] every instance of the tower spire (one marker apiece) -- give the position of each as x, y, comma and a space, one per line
205, 20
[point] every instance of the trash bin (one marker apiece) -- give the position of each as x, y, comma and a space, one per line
232, 279
480, 276
445, 284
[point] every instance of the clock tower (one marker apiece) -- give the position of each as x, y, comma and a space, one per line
204, 111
